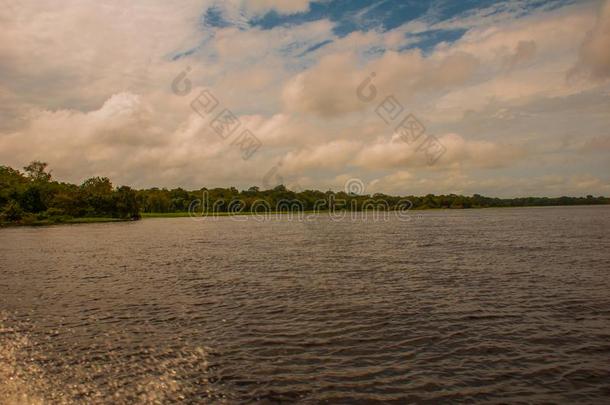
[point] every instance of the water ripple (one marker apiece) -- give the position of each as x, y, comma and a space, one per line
489, 306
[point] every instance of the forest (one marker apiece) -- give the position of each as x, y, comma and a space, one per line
32, 196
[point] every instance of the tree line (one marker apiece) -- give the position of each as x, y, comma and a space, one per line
32, 195
155, 200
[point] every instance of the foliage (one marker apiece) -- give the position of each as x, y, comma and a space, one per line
12, 212
36, 171
221, 200
34, 196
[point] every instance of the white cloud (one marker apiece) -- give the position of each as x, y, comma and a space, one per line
595, 50
86, 87
330, 88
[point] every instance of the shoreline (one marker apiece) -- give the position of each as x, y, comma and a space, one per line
71, 221
248, 213
154, 215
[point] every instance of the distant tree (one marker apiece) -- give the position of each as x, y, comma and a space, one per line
126, 203
69, 201
36, 171
97, 186
33, 195
97, 193
31, 199
12, 212
10, 176
11, 182
158, 201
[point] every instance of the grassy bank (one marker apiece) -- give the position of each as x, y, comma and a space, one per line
225, 214
164, 214
91, 220
218, 214
59, 221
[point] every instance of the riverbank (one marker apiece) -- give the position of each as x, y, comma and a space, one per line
225, 214
61, 221
144, 215
217, 214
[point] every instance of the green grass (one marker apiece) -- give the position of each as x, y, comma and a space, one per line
218, 214
59, 221
164, 214
94, 220
225, 214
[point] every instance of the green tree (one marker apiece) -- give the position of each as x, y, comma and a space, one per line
126, 203
97, 193
12, 212
36, 171
31, 199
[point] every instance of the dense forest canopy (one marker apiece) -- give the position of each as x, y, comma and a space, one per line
33, 195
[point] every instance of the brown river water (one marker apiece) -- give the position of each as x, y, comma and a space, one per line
487, 306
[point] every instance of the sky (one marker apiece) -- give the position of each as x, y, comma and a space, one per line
500, 98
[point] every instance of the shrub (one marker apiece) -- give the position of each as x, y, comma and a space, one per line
12, 212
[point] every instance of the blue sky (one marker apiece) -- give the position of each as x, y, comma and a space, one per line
383, 15
516, 92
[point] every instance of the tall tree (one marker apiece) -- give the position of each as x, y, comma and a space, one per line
37, 171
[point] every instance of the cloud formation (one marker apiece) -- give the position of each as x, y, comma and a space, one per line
87, 88
595, 50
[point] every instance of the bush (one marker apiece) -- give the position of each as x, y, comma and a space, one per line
54, 212
28, 219
58, 219
12, 212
